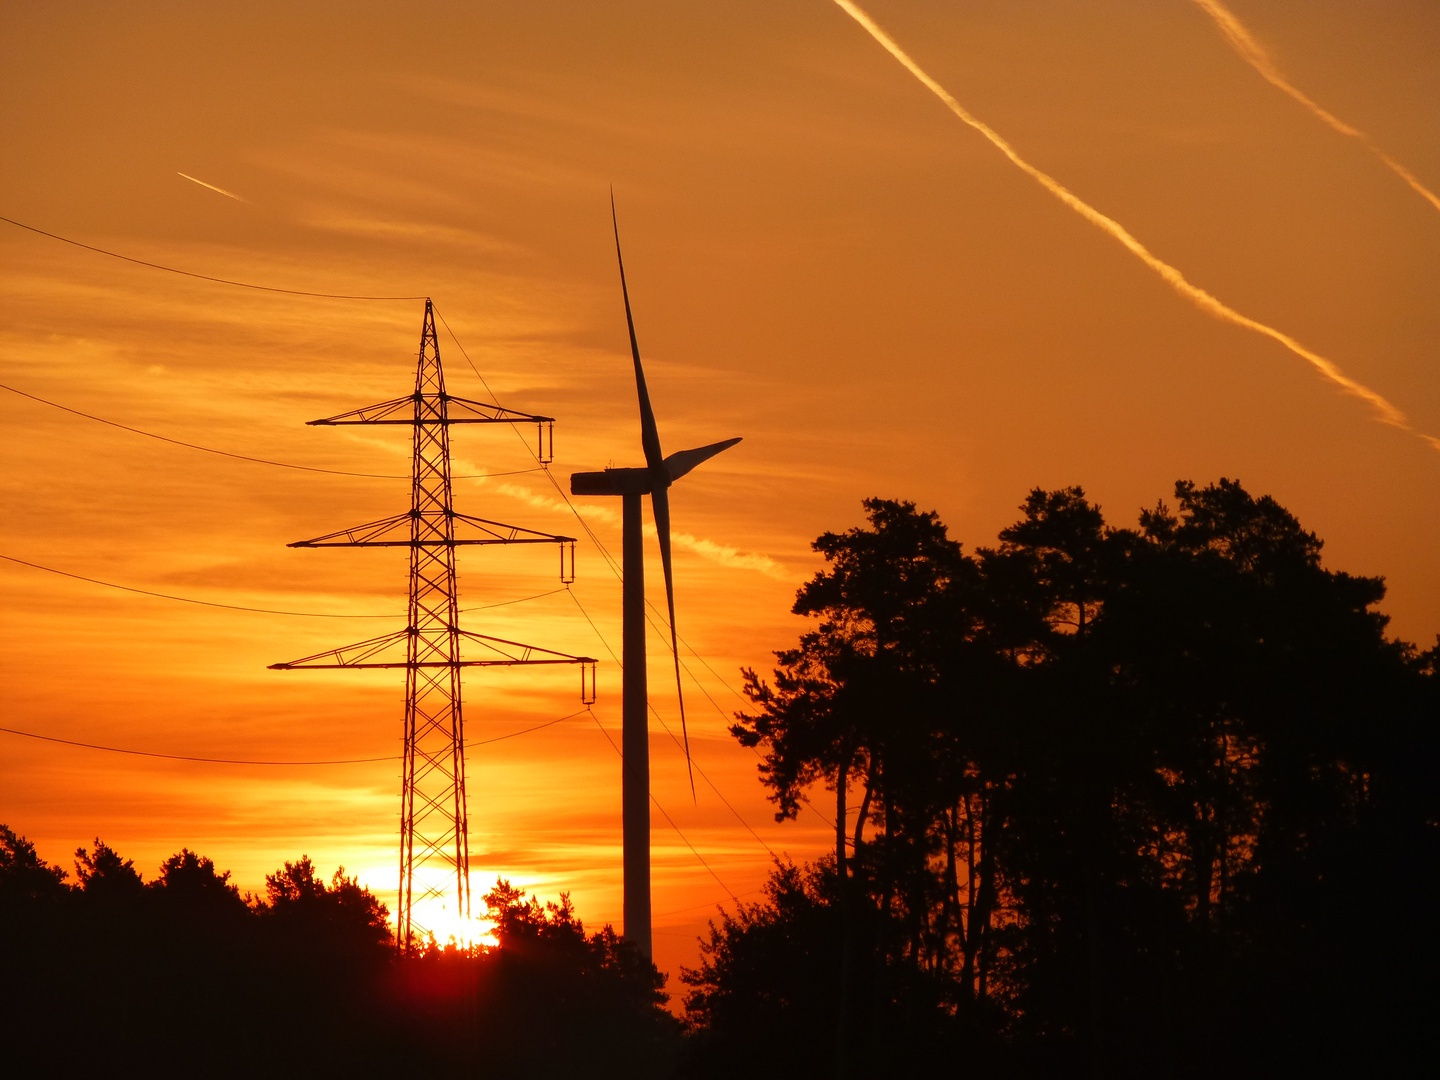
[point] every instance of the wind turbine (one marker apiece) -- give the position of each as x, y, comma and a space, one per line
630, 484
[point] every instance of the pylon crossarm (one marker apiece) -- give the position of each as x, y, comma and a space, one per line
516, 652
347, 656
395, 411
441, 408
366, 654
397, 531
501, 533
464, 411
371, 533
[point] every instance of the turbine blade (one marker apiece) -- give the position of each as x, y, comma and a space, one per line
682, 461
660, 503
649, 434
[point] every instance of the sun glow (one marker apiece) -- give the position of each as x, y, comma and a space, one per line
437, 918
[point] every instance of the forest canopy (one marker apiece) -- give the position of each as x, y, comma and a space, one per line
1116, 795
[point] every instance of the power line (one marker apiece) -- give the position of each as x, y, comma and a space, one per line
803, 798
599, 635
540, 464
755, 750
758, 838
466, 355
239, 457
655, 713
202, 277
697, 907
800, 794
188, 757
686, 840
240, 761
615, 569
740, 697
241, 607
610, 559
730, 892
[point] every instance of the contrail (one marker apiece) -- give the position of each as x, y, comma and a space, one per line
212, 187
1386, 412
1255, 55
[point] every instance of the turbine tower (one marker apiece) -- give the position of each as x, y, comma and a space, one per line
630, 484
434, 822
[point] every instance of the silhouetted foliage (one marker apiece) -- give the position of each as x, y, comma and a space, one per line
184, 976
25, 878
105, 877
190, 889
549, 935
768, 983
339, 924
1142, 801
552, 1000
1126, 796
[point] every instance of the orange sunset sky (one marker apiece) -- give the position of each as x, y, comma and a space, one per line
823, 258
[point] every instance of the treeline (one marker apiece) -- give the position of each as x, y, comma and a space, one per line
1141, 801
184, 976
1146, 801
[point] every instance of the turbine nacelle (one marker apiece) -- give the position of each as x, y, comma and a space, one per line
644, 481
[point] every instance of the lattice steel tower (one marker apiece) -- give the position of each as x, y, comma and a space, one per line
434, 827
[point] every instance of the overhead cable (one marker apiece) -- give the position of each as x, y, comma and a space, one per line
241, 761
730, 892
241, 607
242, 457
661, 720
202, 277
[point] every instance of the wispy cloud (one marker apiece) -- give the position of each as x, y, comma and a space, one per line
414, 232
702, 546
592, 511
1255, 55
1385, 412
726, 555
212, 187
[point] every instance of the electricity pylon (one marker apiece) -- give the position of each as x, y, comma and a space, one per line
434, 826
653, 480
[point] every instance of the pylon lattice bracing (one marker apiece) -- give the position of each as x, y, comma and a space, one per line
434, 826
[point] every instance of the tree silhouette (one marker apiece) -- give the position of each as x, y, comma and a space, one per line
24, 876
857, 700
105, 876
768, 985
342, 925
190, 881
1119, 782
550, 938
